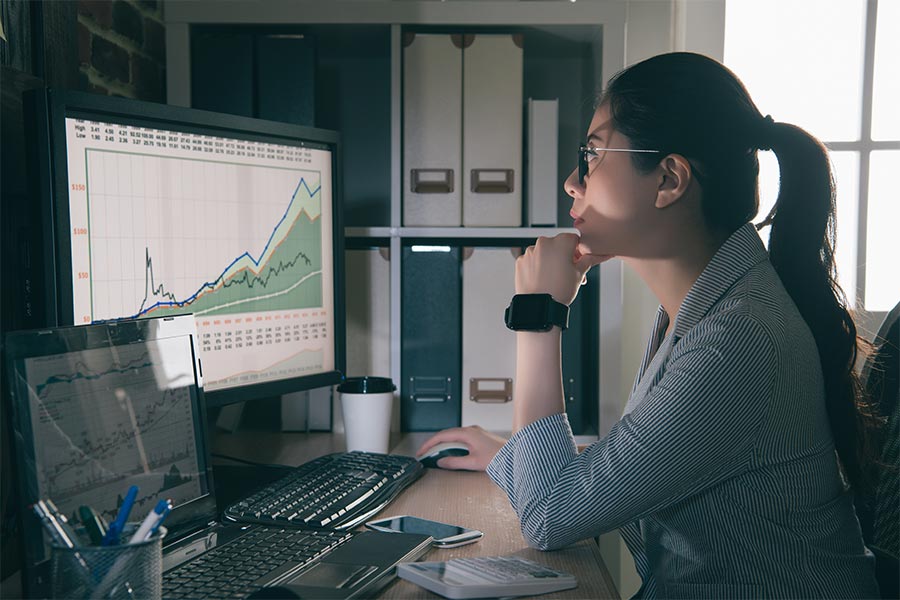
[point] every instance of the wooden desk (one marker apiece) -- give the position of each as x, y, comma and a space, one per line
464, 498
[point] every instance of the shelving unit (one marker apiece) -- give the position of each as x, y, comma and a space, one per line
569, 43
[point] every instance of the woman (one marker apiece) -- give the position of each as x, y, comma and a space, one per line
728, 473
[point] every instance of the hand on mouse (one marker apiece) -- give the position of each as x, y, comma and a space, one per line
483, 446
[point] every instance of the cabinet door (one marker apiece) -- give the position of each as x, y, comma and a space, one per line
222, 72
254, 75
492, 131
432, 121
285, 78
489, 348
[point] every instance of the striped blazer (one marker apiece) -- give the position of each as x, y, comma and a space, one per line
722, 474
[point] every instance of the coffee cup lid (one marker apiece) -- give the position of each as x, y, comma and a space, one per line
367, 385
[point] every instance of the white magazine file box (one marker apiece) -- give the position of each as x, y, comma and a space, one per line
489, 348
432, 122
492, 130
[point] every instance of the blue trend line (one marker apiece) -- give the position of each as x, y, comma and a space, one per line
88, 375
212, 284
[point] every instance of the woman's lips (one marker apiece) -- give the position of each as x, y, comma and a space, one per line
578, 220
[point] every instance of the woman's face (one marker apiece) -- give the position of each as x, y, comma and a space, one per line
614, 208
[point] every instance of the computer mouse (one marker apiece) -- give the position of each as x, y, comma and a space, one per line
436, 453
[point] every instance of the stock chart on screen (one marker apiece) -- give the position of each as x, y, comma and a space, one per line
137, 424
170, 222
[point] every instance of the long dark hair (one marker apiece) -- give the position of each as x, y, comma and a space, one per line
691, 105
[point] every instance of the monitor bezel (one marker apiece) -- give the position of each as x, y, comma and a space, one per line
50, 108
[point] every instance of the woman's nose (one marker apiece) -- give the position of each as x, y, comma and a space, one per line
572, 185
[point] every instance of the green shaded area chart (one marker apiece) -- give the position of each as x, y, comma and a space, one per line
287, 274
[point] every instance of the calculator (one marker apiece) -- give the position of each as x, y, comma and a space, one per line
486, 577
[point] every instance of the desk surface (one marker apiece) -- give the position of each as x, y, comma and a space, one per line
463, 498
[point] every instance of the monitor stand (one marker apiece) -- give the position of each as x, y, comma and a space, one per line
300, 411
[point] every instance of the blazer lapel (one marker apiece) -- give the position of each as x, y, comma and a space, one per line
651, 375
741, 251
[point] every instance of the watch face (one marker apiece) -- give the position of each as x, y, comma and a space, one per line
530, 312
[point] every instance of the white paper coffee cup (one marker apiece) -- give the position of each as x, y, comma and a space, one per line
366, 407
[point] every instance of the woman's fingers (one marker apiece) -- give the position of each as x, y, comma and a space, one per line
455, 434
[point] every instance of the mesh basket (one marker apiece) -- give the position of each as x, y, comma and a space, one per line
122, 571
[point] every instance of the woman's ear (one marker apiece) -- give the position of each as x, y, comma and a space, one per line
674, 178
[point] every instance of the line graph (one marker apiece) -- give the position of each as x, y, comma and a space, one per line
103, 418
295, 234
83, 371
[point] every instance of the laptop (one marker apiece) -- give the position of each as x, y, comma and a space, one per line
98, 408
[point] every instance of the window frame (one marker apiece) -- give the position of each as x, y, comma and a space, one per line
864, 147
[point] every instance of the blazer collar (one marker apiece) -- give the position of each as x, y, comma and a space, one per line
740, 252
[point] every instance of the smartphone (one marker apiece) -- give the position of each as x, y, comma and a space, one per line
444, 534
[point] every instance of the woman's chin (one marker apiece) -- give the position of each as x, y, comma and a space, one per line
587, 248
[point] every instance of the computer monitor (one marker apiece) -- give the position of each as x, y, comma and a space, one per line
160, 210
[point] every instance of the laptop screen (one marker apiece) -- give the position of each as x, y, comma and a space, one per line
100, 408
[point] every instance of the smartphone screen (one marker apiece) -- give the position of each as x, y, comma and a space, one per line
423, 526
439, 531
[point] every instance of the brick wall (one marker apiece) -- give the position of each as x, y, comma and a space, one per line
122, 48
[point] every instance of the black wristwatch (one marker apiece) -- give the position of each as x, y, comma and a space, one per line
536, 312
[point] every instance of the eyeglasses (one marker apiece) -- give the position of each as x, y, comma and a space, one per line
585, 151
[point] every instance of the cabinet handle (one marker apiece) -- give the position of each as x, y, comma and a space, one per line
431, 181
492, 181
490, 390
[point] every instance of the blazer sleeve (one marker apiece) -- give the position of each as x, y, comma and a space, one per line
696, 427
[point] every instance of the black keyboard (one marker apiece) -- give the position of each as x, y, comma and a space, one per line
337, 491
261, 557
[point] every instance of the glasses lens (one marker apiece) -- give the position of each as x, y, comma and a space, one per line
582, 165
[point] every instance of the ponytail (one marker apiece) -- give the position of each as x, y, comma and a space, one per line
801, 248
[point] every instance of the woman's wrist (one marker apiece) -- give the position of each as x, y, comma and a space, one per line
539, 337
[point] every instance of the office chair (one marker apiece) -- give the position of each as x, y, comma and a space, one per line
880, 512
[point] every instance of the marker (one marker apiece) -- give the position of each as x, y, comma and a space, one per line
94, 523
151, 522
115, 528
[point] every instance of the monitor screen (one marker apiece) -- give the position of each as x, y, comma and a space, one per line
163, 210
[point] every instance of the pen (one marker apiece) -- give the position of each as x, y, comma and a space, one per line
58, 533
151, 522
159, 522
62, 522
147, 528
115, 528
94, 523
55, 524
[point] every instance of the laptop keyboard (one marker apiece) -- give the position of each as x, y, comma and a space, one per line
240, 568
338, 491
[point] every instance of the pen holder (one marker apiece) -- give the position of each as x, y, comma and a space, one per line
121, 571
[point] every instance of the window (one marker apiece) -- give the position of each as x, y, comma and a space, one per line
826, 66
